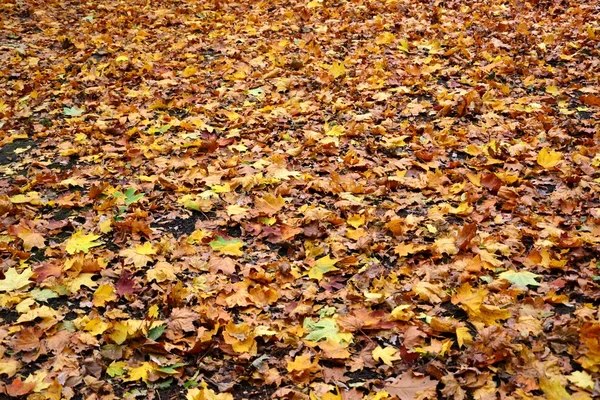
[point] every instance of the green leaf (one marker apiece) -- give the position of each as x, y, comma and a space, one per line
131, 197
43, 295
171, 369
79, 241
156, 332
164, 385
326, 328
521, 278
73, 112
228, 247
116, 368
190, 384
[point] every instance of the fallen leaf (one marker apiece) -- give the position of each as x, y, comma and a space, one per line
80, 241
13, 280
548, 158
387, 355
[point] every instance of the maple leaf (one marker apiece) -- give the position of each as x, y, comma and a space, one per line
325, 328
84, 279
129, 196
582, 379
182, 320
80, 241
162, 272
385, 38
388, 355
240, 338
335, 130
116, 368
28, 235
204, 393
337, 69
548, 158
140, 372
104, 294
13, 280
269, 205
521, 278
9, 366
408, 387
322, 266
471, 300
73, 111
140, 255
234, 209
126, 283
19, 388
356, 220
231, 247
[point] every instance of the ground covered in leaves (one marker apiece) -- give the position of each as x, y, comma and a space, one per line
299, 199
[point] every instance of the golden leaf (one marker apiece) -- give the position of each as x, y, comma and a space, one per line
548, 158
387, 355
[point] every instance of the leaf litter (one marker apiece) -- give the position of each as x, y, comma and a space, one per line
302, 200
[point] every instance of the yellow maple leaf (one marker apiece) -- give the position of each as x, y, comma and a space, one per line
13, 280
9, 366
471, 300
337, 69
388, 355
139, 256
240, 338
80, 241
140, 372
385, 38
96, 326
322, 266
204, 393
234, 209
190, 70
82, 280
582, 379
269, 204
163, 271
31, 239
39, 379
548, 158
463, 336
302, 363
105, 293
335, 130
356, 220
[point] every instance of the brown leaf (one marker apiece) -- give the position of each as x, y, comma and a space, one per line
182, 319
223, 264
466, 234
590, 100
19, 388
491, 181
408, 386
268, 204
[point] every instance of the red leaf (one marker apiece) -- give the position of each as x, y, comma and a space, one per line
19, 388
126, 283
590, 100
466, 234
491, 181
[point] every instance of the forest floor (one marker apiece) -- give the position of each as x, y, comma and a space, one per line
318, 199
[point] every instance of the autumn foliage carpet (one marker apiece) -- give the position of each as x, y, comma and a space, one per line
313, 199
